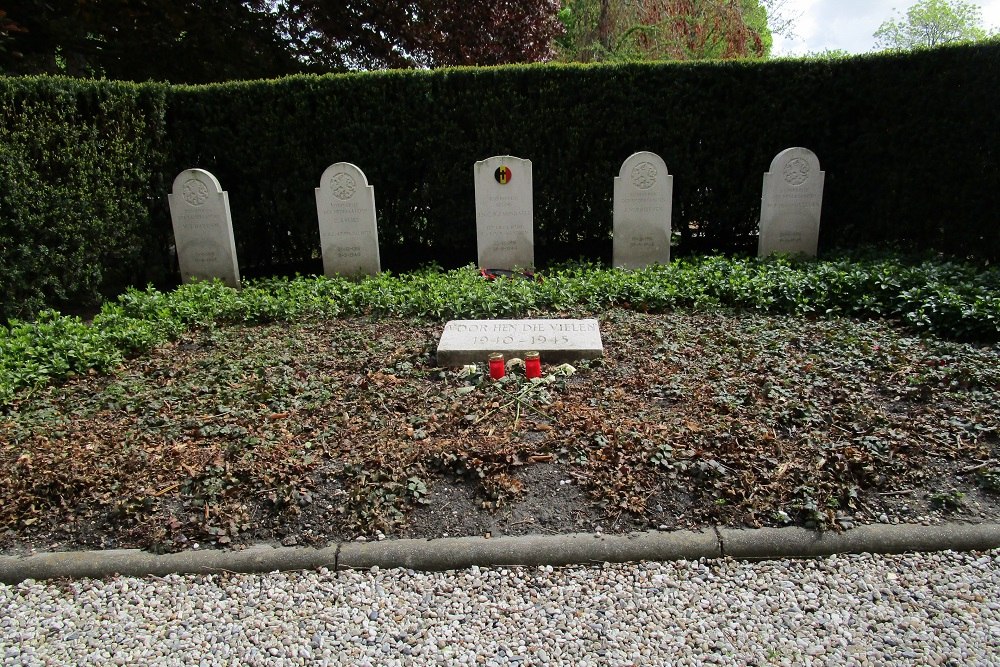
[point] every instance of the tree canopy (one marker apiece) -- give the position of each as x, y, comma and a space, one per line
932, 23
186, 41
361, 34
663, 29
198, 41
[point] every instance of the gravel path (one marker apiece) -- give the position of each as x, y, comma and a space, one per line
926, 609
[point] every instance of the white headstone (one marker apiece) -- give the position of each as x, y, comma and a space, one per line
504, 227
556, 340
643, 196
791, 204
347, 231
203, 228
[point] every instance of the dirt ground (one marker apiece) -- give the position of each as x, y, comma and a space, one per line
341, 429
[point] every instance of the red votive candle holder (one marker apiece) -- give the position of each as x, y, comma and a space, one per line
532, 365
497, 369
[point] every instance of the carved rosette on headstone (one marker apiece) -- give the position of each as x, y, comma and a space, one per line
791, 204
504, 222
203, 228
348, 232
643, 199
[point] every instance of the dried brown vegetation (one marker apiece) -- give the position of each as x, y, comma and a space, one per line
346, 427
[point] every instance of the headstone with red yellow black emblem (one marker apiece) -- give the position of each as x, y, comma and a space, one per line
504, 222
643, 201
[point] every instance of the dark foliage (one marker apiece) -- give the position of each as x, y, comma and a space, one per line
359, 34
191, 41
217, 40
905, 140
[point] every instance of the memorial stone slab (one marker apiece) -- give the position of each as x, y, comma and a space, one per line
791, 204
643, 199
203, 228
348, 233
556, 340
504, 222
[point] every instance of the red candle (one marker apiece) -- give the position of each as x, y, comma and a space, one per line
497, 370
532, 365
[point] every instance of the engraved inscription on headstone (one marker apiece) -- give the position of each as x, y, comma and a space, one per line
203, 228
347, 230
643, 196
791, 204
504, 232
556, 340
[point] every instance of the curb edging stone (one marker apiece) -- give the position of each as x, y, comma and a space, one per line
461, 552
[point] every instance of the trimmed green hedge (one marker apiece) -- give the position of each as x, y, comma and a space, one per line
81, 165
908, 143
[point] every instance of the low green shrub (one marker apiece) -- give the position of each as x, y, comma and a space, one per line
944, 299
52, 348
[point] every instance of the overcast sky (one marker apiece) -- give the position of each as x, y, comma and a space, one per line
850, 24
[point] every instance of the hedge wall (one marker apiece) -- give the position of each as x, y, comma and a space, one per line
908, 143
81, 166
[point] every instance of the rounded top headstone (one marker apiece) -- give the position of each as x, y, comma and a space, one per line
344, 180
194, 186
643, 170
795, 166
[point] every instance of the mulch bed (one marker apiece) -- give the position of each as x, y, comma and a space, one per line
337, 429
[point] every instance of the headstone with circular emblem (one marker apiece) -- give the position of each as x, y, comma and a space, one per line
791, 204
203, 228
504, 222
348, 232
642, 209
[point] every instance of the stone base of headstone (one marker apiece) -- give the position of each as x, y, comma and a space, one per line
556, 340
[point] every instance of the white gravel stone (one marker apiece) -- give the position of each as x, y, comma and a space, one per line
934, 609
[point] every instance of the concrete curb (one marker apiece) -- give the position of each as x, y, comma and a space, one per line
770, 543
461, 552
